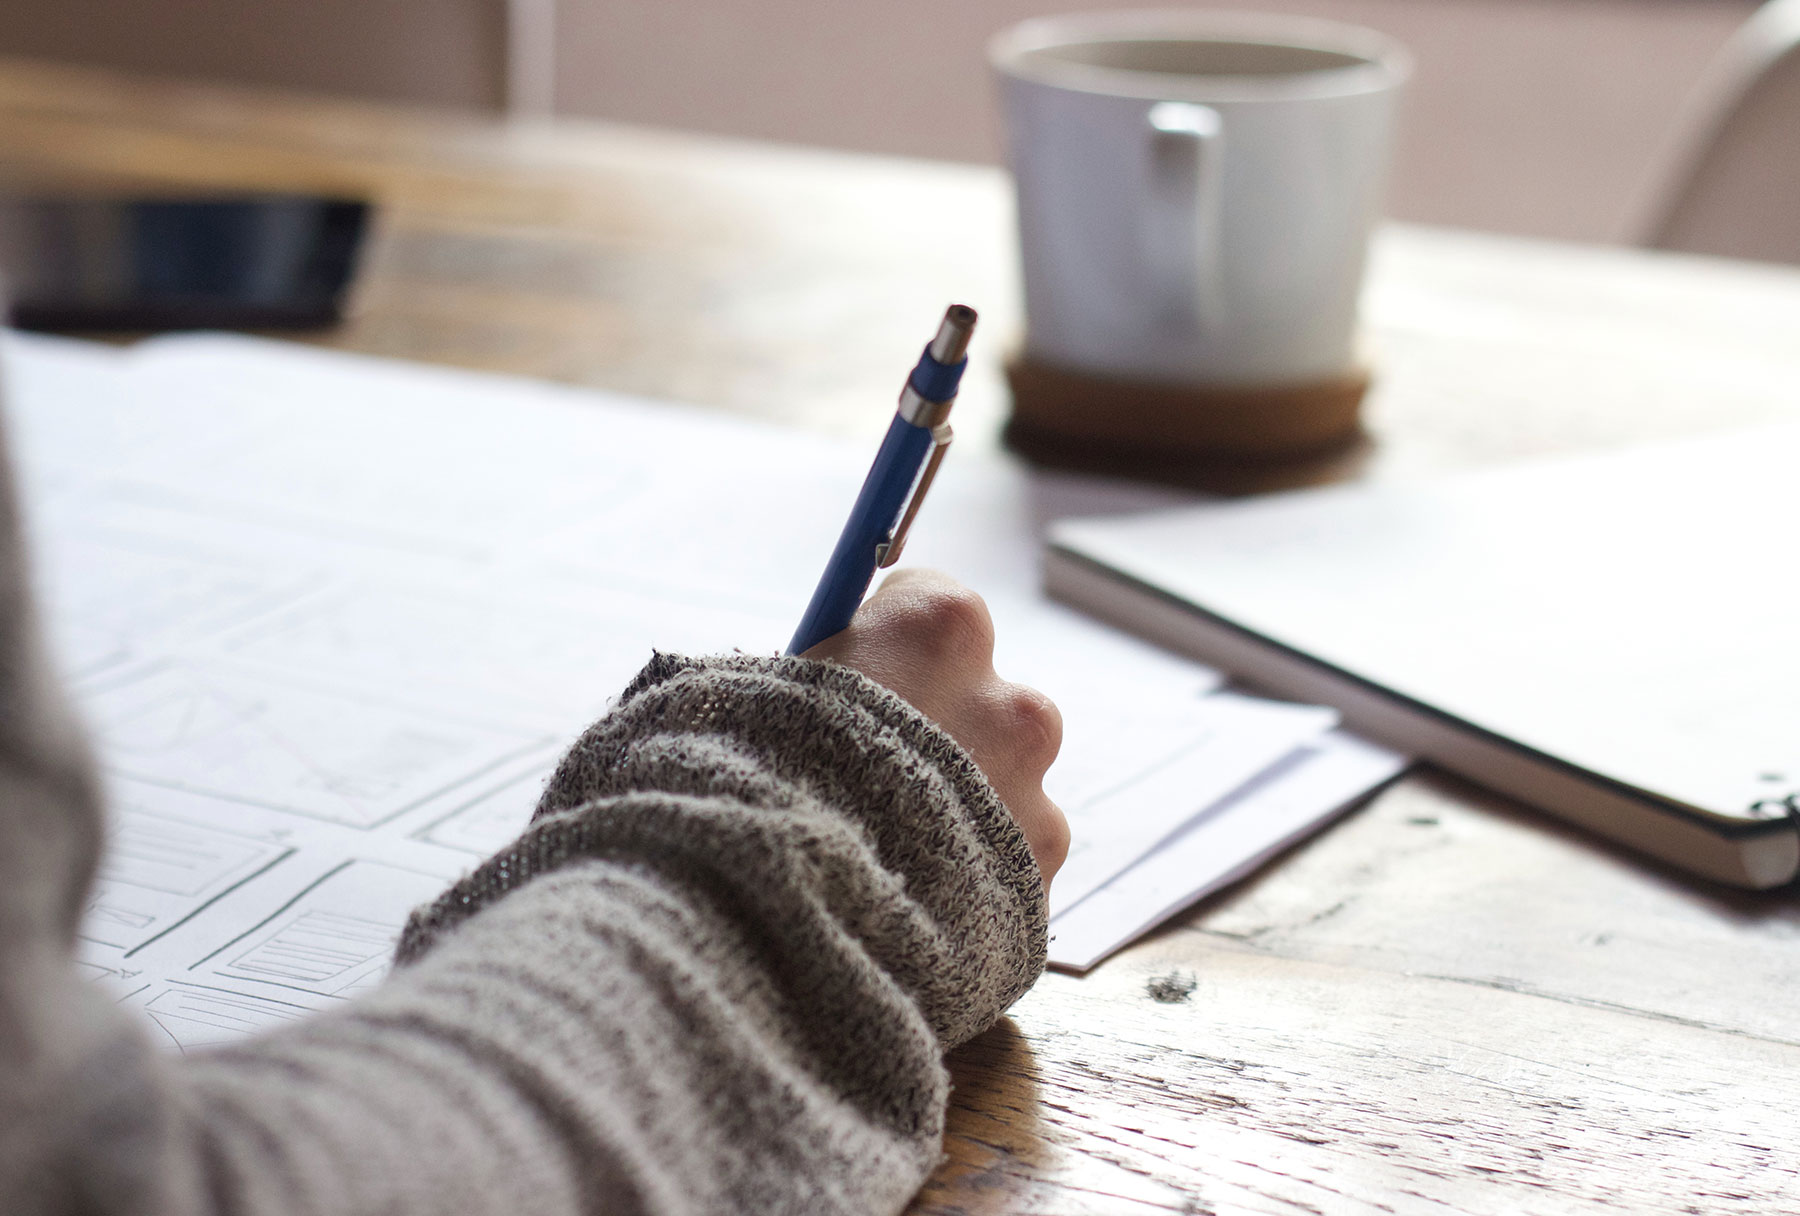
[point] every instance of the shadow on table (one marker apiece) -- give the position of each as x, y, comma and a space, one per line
1727, 903
993, 1143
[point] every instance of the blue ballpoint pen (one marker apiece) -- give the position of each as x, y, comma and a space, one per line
904, 466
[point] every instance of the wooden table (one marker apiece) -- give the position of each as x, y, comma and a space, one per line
1444, 1004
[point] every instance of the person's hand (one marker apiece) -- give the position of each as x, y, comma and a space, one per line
930, 639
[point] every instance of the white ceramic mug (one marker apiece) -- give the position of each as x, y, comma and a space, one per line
1196, 190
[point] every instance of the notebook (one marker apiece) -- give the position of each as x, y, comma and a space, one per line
1613, 638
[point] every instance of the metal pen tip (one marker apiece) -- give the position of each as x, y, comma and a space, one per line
952, 341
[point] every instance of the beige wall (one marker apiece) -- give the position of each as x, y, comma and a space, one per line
1534, 116
447, 52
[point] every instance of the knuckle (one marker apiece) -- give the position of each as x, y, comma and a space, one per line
952, 622
1034, 724
1052, 846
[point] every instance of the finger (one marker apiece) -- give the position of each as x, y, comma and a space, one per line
939, 620
1016, 730
916, 577
1046, 830
1037, 724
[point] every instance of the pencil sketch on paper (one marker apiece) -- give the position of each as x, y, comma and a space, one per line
334, 939
192, 1015
157, 871
493, 819
308, 751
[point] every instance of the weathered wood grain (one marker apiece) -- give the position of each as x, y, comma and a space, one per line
1444, 1004
1288, 1086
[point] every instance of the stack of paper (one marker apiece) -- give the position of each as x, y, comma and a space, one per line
331, 620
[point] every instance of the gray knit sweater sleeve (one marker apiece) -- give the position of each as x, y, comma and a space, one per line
757, 903
801, 798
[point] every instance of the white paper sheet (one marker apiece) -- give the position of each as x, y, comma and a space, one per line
1228, 841
332, 619
1190, 758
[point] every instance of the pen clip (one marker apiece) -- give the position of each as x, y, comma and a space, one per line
888, 552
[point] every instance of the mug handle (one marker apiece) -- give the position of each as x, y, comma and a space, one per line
1181, 229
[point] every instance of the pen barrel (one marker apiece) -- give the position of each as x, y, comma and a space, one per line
878, 506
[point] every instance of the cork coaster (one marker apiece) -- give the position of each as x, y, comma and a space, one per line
1076, 419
